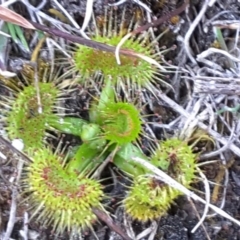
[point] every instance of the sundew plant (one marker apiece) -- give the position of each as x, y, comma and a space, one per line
28, 107
63, 188
134, 74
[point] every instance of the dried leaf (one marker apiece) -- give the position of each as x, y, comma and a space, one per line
12, 17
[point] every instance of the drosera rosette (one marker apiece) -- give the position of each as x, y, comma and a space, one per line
134, 73
30, 105
149, 198
103, 139
112, 128
58, 196
117, 122
116, 125
24, 120
110, 120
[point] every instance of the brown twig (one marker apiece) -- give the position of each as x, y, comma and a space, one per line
162, 19
102, 46
108, 220
74, 38
13, 149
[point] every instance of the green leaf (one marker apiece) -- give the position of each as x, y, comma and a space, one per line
69, 125
90, 131
85, 159
21, 37
18, 36
123, 160
107, 96
12, 32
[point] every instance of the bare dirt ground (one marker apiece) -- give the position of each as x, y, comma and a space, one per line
203, 102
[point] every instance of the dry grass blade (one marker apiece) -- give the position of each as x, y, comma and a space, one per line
13, 148
159, 174
105, 218
88, 42
8, 15
146, 27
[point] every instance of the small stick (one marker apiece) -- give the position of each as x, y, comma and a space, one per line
162, 19
146, 27
12, 214
108, 220
13, 149
77, 39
